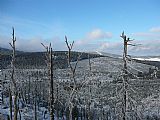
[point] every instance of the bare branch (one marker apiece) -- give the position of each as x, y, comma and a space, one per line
128, 40
44, 46
50, 46
71, 45
15, 39
11, 45
13, 32
67, 43
77, 62
131, 44
123, 35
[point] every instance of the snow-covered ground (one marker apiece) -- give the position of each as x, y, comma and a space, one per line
103, 72
150, 107
149, 59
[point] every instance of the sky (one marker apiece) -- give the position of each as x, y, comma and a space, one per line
93, 25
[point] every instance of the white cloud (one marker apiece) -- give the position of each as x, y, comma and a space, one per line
98, 34
149, 47
33, 44
111, 47
92, 41
96, 40
103, 46
155, 29
146, 35
150, 41
93, 36
152, 33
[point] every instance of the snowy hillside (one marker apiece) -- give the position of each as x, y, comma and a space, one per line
149, 59
99, 81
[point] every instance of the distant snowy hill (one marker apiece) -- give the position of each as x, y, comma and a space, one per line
149, 59
107, 54
154, 61
5, 51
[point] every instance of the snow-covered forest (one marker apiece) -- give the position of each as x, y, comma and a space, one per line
95, 88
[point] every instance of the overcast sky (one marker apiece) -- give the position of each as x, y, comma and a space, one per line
94, 25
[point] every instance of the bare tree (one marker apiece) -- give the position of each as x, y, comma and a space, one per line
10, 102
49, 61
15, 90
35, 99
89, 62
125, 75
73, 79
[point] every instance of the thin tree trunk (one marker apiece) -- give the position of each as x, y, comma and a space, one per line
124, 77
35, 110
15, 106
51, 88
19, 111
89, 60
12, 76
29, 87
35, 100
10, 103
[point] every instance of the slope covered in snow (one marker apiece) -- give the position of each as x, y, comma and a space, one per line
100, 75
149, 59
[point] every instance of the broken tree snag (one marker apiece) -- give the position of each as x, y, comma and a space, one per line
49, 62
89, 61
125, 74
124, 102
15, 89
51, 87
69, 46
73, 81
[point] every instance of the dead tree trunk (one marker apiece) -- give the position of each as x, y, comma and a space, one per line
29, 90
89, 61
51, 87
125, 76
12, 76
73, 79
10, 103
3, 89
35, 110
19, 110
35, 98
49, 62
15, 106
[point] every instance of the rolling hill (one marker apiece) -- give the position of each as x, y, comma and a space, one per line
37, 59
